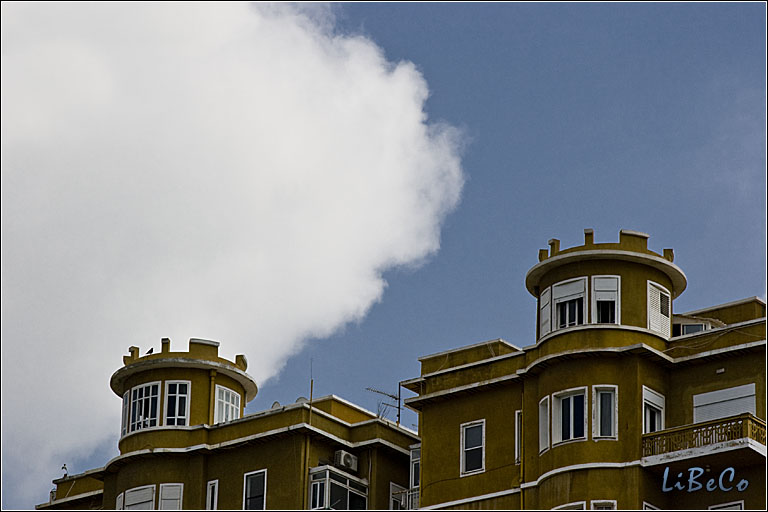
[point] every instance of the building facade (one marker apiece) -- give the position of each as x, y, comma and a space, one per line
619, 404
185, 444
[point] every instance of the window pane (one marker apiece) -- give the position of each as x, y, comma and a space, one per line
606, 413
254, 492
473, 459
473, 436
565, 418
664, 304
415, 482
578, 416
580, 311
182, 389
606, 312
356, 502
338, 497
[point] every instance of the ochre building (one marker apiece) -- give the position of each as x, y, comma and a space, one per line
185, 444
620, 403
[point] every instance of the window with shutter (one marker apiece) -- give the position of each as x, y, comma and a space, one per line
140, 498
605, 300
653, 411
659, 309
545, 312
568, 300
170, 496
724, 403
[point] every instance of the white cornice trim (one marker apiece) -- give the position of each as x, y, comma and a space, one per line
578, 467
252, 437
473, 499
675, 273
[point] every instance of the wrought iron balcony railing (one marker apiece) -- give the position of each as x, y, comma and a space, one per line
743, 426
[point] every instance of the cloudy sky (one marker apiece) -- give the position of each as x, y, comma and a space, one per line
346, 187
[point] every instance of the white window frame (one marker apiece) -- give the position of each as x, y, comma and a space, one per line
572, 505
245, 486
119, 502
657, 400
126, 416
557, 415
395, 490
187, 403
518, 435
545, 312
462, 430
212, 491
544, 425
617, 302
722, 506
665, 330
593, 503
555, 323
181, 495
235, 408
413, 472
597, 412
137, 489
328, 480
158, 413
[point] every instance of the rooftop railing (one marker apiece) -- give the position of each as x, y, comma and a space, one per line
743, 426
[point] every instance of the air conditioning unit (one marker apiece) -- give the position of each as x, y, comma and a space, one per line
345, 460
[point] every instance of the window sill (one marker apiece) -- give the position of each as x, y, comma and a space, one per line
605, 438
470, 473
569, 441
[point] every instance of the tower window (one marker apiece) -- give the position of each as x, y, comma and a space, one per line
658, 309
568, 413
653, 411
227, 404
144, 406
177, 403
568, 299
605, 299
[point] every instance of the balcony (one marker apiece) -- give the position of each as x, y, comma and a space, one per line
743, 433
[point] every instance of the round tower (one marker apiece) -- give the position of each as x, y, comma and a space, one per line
173, 391
605, 285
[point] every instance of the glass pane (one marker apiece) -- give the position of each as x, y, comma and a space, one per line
171, 389
357, 502
182, 405
360, 487
580, 309
338, 497
338, 478
182, 389
170, 410
606, 312
578, 416
254, 494
473, 459
415, 474
473, 436
416, 453
571, 312
606, 413
561, 315
565, 418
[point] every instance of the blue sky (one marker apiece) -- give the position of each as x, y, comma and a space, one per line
608, 116
650, 117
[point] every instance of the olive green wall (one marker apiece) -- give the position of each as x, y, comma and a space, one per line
634, 286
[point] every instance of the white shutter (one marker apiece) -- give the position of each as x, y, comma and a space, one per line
544, 424
545, 312
119, 502
142, 498
724, 403
170, 496
657, 321
571, 288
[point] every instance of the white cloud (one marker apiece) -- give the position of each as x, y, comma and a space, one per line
232, 172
